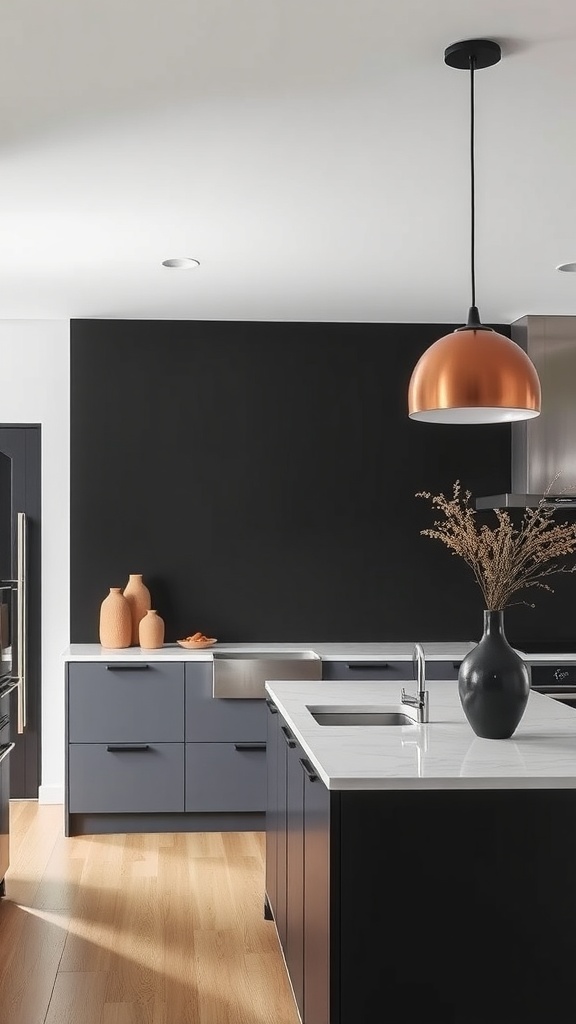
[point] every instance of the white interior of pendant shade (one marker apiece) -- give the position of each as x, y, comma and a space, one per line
474, 415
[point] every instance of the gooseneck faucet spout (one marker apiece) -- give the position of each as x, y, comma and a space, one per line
421, 700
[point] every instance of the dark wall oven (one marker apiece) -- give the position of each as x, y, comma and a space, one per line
556, 680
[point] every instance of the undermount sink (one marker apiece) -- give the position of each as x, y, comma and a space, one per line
396, 715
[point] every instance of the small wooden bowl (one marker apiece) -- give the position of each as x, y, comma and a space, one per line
197, 645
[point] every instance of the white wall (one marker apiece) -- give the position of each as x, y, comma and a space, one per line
35, 388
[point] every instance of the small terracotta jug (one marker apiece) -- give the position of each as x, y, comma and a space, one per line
151, 631
138, 597
115, 620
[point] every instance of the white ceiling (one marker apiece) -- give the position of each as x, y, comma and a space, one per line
312, 154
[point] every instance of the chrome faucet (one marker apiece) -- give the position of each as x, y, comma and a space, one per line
420, 701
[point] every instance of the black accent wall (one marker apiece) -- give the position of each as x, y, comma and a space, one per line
261, 476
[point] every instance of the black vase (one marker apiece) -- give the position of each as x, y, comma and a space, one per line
493, 683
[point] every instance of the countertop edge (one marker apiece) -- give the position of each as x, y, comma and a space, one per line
348, 652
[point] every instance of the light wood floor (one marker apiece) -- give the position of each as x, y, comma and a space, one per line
136, 929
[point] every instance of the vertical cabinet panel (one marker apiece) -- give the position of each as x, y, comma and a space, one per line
281, 833
316, 902
272, 753
294, 949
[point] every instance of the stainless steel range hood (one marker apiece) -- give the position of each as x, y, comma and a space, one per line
545, 447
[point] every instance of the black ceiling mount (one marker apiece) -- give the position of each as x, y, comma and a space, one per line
484, 52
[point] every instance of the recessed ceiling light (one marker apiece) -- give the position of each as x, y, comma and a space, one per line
181, 263
568, 268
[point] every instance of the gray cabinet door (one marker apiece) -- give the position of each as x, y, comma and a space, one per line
103, 780
115, 703
226, 776
219, 719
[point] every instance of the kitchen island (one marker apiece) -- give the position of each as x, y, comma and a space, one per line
417, 873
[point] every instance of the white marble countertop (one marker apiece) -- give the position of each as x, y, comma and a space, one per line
445, 754
328, 652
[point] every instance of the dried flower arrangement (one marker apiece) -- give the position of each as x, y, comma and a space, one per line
504, 559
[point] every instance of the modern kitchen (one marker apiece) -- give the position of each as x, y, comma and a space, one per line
288, 561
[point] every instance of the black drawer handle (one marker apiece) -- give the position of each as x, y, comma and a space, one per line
271, 706
309, 770
126, 668
288, 736
372, 666
126, 748
250, 746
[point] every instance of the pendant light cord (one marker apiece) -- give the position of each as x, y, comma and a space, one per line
472, 187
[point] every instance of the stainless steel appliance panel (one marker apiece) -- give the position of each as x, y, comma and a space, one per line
244, 675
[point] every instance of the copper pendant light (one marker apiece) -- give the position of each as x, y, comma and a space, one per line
473, 375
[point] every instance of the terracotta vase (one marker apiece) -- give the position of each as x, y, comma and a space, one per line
138, 597
115, 620
151, 630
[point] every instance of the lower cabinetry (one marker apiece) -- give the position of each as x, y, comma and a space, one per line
298, 869
150, 748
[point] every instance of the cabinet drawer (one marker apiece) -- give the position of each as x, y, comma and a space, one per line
115, 703
442, 669
224, 777
138, 780
219, 719
401, 670
367, 670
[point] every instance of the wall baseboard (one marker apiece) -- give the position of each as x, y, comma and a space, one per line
51, 795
